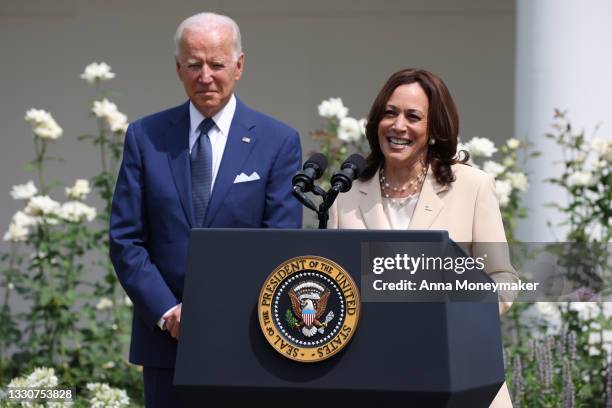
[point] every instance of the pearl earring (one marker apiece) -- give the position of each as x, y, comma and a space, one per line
432, 141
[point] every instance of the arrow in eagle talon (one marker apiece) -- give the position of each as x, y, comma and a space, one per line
328, 319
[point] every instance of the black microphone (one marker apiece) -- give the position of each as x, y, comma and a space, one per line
350, 170
315, 166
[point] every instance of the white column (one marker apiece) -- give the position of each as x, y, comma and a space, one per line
563, 60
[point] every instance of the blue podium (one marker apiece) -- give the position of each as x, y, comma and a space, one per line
425, 354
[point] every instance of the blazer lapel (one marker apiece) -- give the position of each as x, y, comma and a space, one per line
177, 145
371, 205
235, 154
429, 204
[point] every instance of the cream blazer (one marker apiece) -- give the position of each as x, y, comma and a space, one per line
468, 209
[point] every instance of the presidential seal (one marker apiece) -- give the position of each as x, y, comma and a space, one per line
309, 308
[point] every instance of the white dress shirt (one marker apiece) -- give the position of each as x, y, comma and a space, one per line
218, 134
218, 138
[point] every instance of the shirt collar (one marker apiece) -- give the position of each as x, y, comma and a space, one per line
222, 119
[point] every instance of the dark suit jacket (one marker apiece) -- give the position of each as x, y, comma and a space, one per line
152, 212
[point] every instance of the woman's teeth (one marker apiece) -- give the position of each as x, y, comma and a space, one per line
399, 142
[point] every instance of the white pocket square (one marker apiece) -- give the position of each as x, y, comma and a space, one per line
243, 178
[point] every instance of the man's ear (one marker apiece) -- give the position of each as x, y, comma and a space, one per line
178, 68
239, 66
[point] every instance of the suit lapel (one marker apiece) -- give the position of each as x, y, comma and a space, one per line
235, 154
429, 204
177, 145
371, 205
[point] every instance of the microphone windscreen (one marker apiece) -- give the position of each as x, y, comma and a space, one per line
317, 161
357, 161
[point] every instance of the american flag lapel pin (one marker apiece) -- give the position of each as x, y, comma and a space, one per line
246, 139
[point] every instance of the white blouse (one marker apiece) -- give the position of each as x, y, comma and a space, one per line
399, 211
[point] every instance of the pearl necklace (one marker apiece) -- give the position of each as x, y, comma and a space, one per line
413, 185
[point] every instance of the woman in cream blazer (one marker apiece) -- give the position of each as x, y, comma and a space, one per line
414, 179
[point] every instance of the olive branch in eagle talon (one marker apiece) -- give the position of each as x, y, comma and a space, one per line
291, 320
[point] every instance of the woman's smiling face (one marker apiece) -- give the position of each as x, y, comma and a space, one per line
402, 132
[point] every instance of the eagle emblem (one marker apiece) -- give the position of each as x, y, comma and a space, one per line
308, 304
308, 308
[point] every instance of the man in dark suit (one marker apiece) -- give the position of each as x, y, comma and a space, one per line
210, 163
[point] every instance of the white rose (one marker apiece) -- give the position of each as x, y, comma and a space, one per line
97, 72
598, 164
19, 230
21, 218
513, 143
493, 168
76, 211
41, 205
16, 233
362, 126
349, 130
105, 396
18, 382
37, 116
518, 181
581, 179
118, 123
550, 312
503, 188
43, 124
603, 148
51, 131
24, 191
104, 303
586, 310
104, 108
79, 191
42, 378
580, 157
333, 107
481, 146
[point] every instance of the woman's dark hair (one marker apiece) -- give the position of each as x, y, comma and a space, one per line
442, 125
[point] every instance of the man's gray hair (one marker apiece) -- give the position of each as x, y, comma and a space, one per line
208, 21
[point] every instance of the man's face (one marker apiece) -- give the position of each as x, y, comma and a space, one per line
207, 68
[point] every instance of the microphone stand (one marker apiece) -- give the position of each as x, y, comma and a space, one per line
323, 210
301, 196
328, 199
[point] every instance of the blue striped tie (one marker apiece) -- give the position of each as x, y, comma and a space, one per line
201, 171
